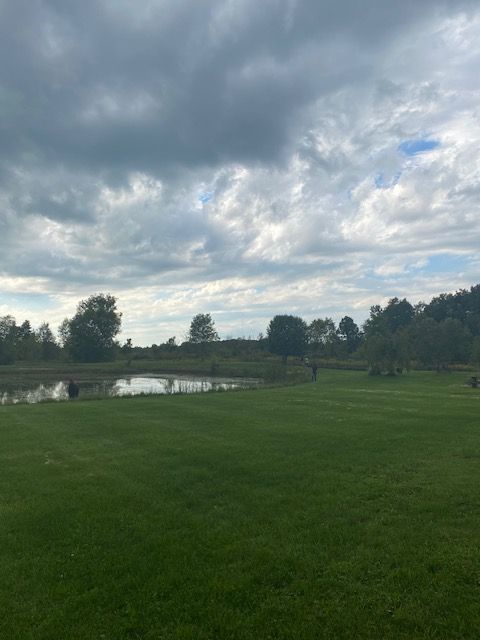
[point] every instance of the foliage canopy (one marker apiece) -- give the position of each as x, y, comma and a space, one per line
287, 336
202, 329
89, 335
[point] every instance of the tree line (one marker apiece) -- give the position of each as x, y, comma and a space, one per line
87, 337
437, 334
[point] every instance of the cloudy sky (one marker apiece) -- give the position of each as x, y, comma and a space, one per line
238, 157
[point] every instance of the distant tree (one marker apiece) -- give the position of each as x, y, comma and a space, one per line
49, 349
463, 306
170, 345
321, 331
287, 336
439, 307
27, 346
89, 335
375, 324
404, 351
387, 353
419, 309
323, 338
398, 314
127, 351
476, 351
456, 341
24, 331
8, 330
473, 310
349, 332
202, 329
64, 333
440, 344
425, 336
378, 351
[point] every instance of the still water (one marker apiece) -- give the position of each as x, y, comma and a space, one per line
131, 386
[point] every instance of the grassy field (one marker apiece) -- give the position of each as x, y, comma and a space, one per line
345, 509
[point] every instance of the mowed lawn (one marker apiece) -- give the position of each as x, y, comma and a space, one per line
349, 508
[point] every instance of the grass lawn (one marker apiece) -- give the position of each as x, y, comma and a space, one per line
346, 509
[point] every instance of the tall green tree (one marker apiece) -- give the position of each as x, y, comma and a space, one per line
463, 306
386, 343
440, 344
376, 323
349, 332
90, 335
49, 348
398, 314
27, 346
456, 342
425, 335
387, 353
287, 336
323, 338
321, 331
202, 329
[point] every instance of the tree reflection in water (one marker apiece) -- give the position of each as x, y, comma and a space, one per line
135, 385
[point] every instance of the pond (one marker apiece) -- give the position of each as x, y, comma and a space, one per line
129, 386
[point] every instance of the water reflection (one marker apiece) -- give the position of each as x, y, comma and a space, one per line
38, 393
132, 386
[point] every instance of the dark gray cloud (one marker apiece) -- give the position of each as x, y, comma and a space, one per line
212, 152
156, 86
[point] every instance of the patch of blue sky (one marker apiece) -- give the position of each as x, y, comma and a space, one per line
436, 264
382, 182
35, 301
373, 280
205, 196
446, 262
414, 147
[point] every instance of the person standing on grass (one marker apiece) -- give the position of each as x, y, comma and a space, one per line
73, 390
314, 371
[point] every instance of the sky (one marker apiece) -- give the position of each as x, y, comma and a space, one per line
236, 157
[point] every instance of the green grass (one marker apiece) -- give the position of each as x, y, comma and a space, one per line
346, 509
